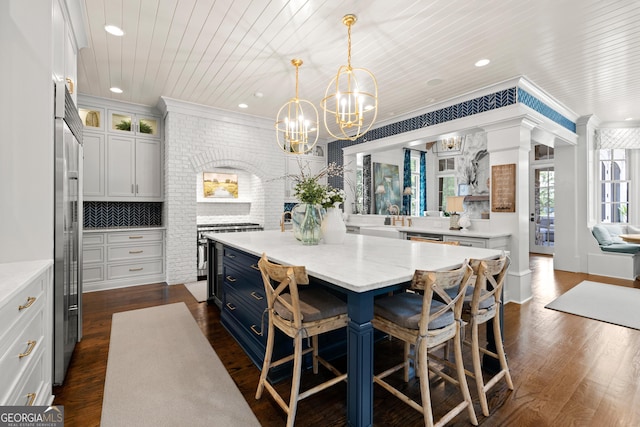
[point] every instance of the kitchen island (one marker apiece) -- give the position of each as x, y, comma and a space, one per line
361, 268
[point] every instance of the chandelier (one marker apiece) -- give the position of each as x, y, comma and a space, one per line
297, 122
351, 100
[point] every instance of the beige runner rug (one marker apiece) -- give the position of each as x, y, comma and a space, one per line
162, 371
198, 290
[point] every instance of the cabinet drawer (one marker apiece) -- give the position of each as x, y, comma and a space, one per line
242, 260
467, 241
242, 279
92, 254
247, 316
135, 236
23, 349
92, 273
25, 302
142, 268
89, 239
32, 385
128, 252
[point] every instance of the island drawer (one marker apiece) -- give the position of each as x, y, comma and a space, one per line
248, 315
242, 278
241, 260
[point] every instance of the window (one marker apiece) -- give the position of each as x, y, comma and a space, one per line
614, 185
446, 181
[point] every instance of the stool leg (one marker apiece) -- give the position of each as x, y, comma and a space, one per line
477, 368
314, 343
295, 380
500, 350
425, 394
462, 376
266, 364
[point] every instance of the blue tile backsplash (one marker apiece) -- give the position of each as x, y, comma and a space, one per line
122, 214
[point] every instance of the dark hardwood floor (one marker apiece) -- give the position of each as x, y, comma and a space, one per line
567, 370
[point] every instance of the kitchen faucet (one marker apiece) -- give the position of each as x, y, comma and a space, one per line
282, 219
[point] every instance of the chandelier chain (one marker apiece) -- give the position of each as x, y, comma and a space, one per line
349, 46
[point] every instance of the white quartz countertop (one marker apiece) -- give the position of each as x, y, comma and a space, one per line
14, 274
108, 229
362, 263
459, 233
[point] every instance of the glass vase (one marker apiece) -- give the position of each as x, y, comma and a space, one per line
306, 220
333, 228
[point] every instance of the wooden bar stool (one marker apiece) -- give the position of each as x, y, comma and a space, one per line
425, 323
481, 306
299, 314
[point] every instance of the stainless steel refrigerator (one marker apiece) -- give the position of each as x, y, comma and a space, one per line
67, 267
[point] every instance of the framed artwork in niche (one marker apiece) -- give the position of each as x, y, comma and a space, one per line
386, 187
220, 185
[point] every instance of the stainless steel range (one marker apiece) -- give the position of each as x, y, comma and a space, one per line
203, 255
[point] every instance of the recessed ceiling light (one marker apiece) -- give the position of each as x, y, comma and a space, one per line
434, 82
629, 118
243, 105
112, 29
115, 90
258, 94
482, 63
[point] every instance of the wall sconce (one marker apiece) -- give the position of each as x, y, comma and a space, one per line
453, 143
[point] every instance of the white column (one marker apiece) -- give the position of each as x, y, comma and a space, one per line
510, 143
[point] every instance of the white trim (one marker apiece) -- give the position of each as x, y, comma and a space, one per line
166, 105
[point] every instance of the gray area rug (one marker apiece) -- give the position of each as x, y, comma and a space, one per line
619, 305
162, 371
198, 290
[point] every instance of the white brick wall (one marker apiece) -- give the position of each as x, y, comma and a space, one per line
199, 138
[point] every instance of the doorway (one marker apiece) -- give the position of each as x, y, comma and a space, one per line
542, 215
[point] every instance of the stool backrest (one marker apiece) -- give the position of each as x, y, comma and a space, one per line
283, 279
439, 282
490, 276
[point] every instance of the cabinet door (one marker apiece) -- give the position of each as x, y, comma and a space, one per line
132, 124
148, 168
93, 169
120, 166
121, 122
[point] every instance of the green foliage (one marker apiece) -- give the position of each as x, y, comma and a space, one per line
126, 125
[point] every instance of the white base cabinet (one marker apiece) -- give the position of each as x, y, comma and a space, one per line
26, 333
121, 258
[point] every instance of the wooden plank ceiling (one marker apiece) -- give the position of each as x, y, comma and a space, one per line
222, 53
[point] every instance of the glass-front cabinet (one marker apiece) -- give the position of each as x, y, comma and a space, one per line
92, 118
133, 124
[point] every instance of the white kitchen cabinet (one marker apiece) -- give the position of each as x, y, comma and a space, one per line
134, 124
121, 164
26, 333
133, 168
93, 170
121, 258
